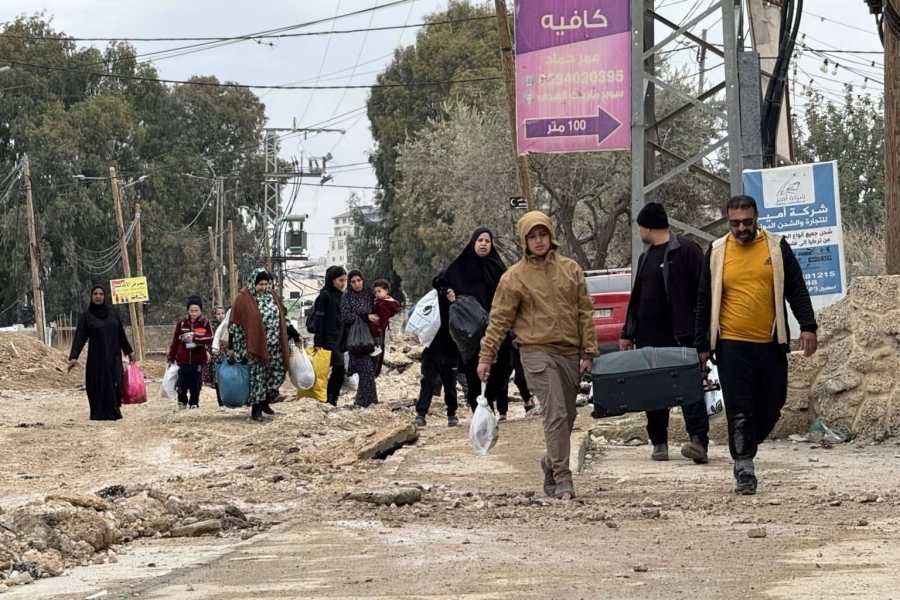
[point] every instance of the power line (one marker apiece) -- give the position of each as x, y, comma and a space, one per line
259, 87
257, 37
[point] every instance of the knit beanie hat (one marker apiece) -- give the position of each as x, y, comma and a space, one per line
195, 300
653, 216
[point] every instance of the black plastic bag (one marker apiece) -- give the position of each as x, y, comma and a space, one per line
468, 322
359, 338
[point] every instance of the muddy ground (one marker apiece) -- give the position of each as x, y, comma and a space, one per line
638, 529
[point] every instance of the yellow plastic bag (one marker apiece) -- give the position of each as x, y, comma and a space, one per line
321, 361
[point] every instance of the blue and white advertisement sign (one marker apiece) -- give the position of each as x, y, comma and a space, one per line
802, 203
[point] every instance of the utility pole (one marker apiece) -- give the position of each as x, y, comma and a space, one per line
217, 293
139, 263
892, 150
126, 265
220, 240
508, 62
34, 251
232, 272
702, 62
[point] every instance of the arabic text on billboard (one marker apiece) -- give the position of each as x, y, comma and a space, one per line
573, 75
125, 291
803, 204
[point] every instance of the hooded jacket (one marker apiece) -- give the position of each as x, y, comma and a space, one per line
544, 300
329, 328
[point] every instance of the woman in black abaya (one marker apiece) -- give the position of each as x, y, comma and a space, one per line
101, 325
477, 272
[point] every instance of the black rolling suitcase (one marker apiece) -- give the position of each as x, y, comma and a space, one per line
645, 379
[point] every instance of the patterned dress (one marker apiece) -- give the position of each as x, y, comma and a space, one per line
209, 369
359, 305
264, 382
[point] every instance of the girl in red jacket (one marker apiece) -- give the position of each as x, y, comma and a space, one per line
192, 337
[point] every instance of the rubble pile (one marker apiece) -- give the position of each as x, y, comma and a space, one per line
27, 364
43, 539
851, 383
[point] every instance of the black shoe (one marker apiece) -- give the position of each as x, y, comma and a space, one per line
746, 484
256, 413
267, 409
332, 401
549, 482
529, 406
660, 452
695, 450
452, 421
420, 421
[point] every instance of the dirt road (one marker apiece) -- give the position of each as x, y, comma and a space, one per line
482, 530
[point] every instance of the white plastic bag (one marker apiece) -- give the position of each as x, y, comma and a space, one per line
221, 332
425, 320
351, 383
715, 403
302, 373
170, 380
484, 430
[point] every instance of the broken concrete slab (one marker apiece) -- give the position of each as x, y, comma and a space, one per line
388, 440
210, 527
398, 496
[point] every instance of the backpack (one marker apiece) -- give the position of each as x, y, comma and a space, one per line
311, 317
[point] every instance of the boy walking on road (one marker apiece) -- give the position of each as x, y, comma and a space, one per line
544, 299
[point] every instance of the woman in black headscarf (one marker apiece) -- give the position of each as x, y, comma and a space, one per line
101, 325
328, 327
476, 272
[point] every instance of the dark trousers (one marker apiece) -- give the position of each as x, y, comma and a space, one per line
336, 380
754, 386
436, 366
519, 375
190, 377
218, 395
497, 391
696, 420
379, 360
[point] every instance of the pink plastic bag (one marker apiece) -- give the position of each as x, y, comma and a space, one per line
134, 390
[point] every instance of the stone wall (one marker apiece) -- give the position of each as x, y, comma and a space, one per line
851, 383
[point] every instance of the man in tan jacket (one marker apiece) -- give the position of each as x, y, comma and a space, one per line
543, 298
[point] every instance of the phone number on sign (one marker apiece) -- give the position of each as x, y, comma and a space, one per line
582, 77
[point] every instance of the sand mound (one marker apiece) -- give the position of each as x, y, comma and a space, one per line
26, 363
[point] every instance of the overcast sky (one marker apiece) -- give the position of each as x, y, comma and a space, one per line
303, 59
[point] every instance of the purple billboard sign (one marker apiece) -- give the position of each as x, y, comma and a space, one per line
573, 75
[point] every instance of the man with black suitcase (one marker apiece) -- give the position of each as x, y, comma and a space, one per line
661, 314
747, 277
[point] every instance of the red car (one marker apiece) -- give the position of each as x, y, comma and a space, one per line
610, 289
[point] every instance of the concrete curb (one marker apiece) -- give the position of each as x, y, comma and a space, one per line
579, 445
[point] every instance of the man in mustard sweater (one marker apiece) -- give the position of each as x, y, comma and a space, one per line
747, 277
544, 299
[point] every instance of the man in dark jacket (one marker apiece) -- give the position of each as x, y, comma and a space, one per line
439, 364
661, 314
747, 277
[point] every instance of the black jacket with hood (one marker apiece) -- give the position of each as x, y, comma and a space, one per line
328, 325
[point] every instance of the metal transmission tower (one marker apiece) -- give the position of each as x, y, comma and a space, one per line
644, 83
272, 182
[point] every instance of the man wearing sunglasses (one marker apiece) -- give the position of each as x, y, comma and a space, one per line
748, 277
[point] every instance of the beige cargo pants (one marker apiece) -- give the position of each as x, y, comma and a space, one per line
555, 381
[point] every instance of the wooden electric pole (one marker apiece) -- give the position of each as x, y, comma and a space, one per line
217, 294
232, 270
892, 150
34, 252
139, 263
508, 62
126, 265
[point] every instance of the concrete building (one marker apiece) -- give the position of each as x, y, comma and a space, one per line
343, 229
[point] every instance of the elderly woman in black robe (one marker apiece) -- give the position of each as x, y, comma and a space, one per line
476, 272
101, 325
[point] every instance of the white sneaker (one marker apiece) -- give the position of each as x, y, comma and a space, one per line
375, 352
